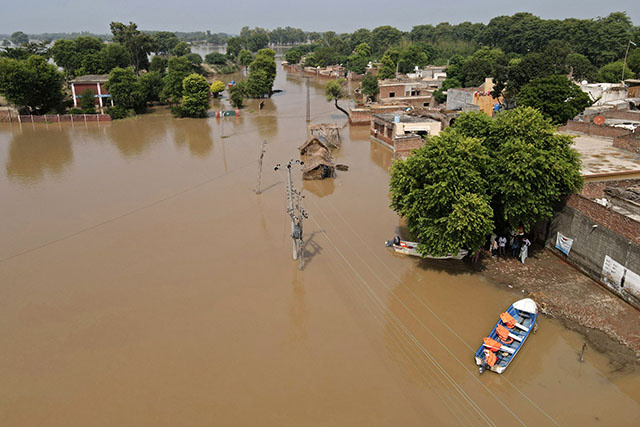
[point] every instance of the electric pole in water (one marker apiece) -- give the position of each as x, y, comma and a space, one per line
296, 213
264, 144
308, 100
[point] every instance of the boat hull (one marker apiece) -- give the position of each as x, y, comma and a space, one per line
525, 311
411, 248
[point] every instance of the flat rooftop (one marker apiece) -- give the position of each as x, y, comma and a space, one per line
404, 118
602, 161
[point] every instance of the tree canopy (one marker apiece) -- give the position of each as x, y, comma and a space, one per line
195, 98
557, 97
483, 174
33, 84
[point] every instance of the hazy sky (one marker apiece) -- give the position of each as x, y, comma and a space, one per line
38, 16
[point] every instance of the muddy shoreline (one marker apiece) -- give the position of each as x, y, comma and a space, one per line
604, 320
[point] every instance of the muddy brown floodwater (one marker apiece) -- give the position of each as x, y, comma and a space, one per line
143, 282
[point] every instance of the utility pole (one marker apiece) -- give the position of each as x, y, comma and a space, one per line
296, 213
308, 100
262, 148
624, 65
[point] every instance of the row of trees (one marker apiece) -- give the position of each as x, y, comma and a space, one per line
262, 74
483, 174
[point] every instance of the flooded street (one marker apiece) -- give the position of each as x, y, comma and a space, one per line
143, 282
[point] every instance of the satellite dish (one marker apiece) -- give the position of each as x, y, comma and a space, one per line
599, 120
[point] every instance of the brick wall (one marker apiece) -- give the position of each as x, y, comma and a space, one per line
360, 116
618, 223
404, 145
629, 142
385, 91
593, 129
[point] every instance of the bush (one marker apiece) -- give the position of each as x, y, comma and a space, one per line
119, 112
215, 58
75, 110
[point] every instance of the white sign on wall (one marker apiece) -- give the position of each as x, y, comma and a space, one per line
614, 273
563, 243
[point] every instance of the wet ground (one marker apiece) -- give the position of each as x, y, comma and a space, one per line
143, 282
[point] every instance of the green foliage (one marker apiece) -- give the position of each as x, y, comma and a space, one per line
258, 39
217, 87
612, 73
152, 85
237, 94
245, 58
125, 89
382, 38
88, 101
195, 99
118, 112
19, 38
370, 85
558, 98
194, 58
181, 49
293, 56
91, 64
532, 167
215, 58
262, 74
164, 41
234, 46
33, 84
410, 57
158, 64
334, 90
115, 55
581, 66
178, 69
387, 68
633, 61
139, 44
442, 191
66, 56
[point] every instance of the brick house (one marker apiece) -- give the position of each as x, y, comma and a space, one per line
95, 83
411, 92
402, 132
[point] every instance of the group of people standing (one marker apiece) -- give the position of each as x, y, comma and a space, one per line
517, 242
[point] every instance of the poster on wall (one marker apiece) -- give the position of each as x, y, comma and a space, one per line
614, 273
563, 243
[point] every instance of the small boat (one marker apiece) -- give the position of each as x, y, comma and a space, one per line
508, 336
411, 248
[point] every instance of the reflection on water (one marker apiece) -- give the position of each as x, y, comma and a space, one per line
381, 156
320, 188
195, 133
134, 138
36, 152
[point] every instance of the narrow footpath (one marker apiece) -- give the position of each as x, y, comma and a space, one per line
609, 324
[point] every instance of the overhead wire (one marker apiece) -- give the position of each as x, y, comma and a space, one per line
535, 405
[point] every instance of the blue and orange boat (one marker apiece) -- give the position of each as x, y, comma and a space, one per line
508, 336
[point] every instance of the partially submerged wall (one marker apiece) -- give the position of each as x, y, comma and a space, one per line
606, 245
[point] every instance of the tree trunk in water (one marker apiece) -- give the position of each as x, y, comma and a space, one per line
341, 109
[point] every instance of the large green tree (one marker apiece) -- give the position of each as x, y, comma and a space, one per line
19, 38
139, 44
370, 86
125, 89
34, 85
262, 74
178, 69
442, 191
195, 98
532, 166
557, 97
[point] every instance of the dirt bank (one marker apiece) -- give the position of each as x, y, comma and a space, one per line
608, 324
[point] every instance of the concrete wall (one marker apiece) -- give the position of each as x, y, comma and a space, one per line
630, 142
456, 99
430, 126
615, 236
403, 146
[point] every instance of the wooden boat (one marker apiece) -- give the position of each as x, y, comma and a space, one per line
508, 336
411, 248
